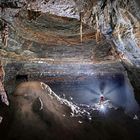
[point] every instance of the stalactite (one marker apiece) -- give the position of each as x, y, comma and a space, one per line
97, 30
81, 28
4, 34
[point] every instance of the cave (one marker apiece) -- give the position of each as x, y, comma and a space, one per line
114, 87
69, 69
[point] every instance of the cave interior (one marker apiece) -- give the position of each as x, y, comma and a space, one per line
70, 69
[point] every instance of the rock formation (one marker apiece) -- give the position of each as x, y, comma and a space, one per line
66, 43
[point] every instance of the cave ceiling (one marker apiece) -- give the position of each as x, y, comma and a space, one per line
72, 24
71, 32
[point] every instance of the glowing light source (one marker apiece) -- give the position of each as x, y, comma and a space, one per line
102, 108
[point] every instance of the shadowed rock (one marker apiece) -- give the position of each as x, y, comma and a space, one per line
38, 114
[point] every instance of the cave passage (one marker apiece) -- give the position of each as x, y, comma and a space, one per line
114, 87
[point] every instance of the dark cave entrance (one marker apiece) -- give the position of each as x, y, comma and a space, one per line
21, 78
